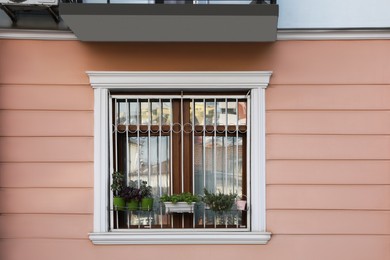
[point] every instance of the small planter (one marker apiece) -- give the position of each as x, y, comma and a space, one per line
147, 204
241, 205
179, 207
132, 205
118, 203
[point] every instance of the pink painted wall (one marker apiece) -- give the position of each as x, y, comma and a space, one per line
328, 146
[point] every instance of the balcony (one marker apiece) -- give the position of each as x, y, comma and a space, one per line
172, 20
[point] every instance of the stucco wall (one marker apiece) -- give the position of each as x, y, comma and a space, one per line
328, 146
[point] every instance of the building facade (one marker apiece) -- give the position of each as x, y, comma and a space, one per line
321, 189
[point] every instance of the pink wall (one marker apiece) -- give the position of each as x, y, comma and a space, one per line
328, 146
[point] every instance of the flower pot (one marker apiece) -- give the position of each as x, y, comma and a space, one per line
147, 204
132, 205
118, 203
179, 207
241, 204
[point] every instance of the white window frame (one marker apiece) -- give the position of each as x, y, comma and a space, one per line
105, 81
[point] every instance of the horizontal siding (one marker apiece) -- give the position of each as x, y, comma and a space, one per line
292, 247
328, 147
291, 222
365, 172
364, 197
46, 149
328, 97
46, 175
46, 97
293, 62
45, 226
328, 122
46, 200
46, 123
328, 222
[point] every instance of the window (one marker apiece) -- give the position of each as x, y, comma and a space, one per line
185, 131
181, 143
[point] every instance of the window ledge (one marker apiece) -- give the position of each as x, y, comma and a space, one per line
183, 238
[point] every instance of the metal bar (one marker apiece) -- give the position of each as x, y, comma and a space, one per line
248, 149
127, 141
215, 146
149, 139
116, 134
159, 159
138, 139
225, 145
193, 153
182, 141
127, 154
236, 161
204, 154
170, 149
111, 161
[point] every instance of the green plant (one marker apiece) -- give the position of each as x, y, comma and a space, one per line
131, 193
146, 190
182, 197
219, 201
117, 183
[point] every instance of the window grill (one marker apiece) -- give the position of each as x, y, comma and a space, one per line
181, 143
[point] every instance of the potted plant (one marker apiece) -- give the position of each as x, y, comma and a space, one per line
241, 203
117, 187
218, 201
146, 195
179, 203
132, 196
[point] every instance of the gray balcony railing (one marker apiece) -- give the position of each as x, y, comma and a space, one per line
172, 20
200, 2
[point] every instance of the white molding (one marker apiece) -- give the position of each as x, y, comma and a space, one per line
179, 79
101, 162
104, 81
25, 34
257, 160
282, 34
183, 238
333, 34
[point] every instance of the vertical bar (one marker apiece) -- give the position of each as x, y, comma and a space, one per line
225, 144
182, 149
237, 125
248, 149
170, 156
182, 142
159, 159
116, 135
215, 146
170, 149
127, 141
149, 139
193, 153
127, 153
138, 138
204, 143
110, 125
204, 154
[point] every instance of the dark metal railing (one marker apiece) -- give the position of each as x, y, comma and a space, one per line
200, 2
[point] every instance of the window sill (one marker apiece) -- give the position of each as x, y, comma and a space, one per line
183, 238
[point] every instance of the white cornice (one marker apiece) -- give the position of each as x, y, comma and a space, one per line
183, 238
282, 35
25, 34
341, 34
180, 79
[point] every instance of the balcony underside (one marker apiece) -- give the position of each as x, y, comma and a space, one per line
171, 23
